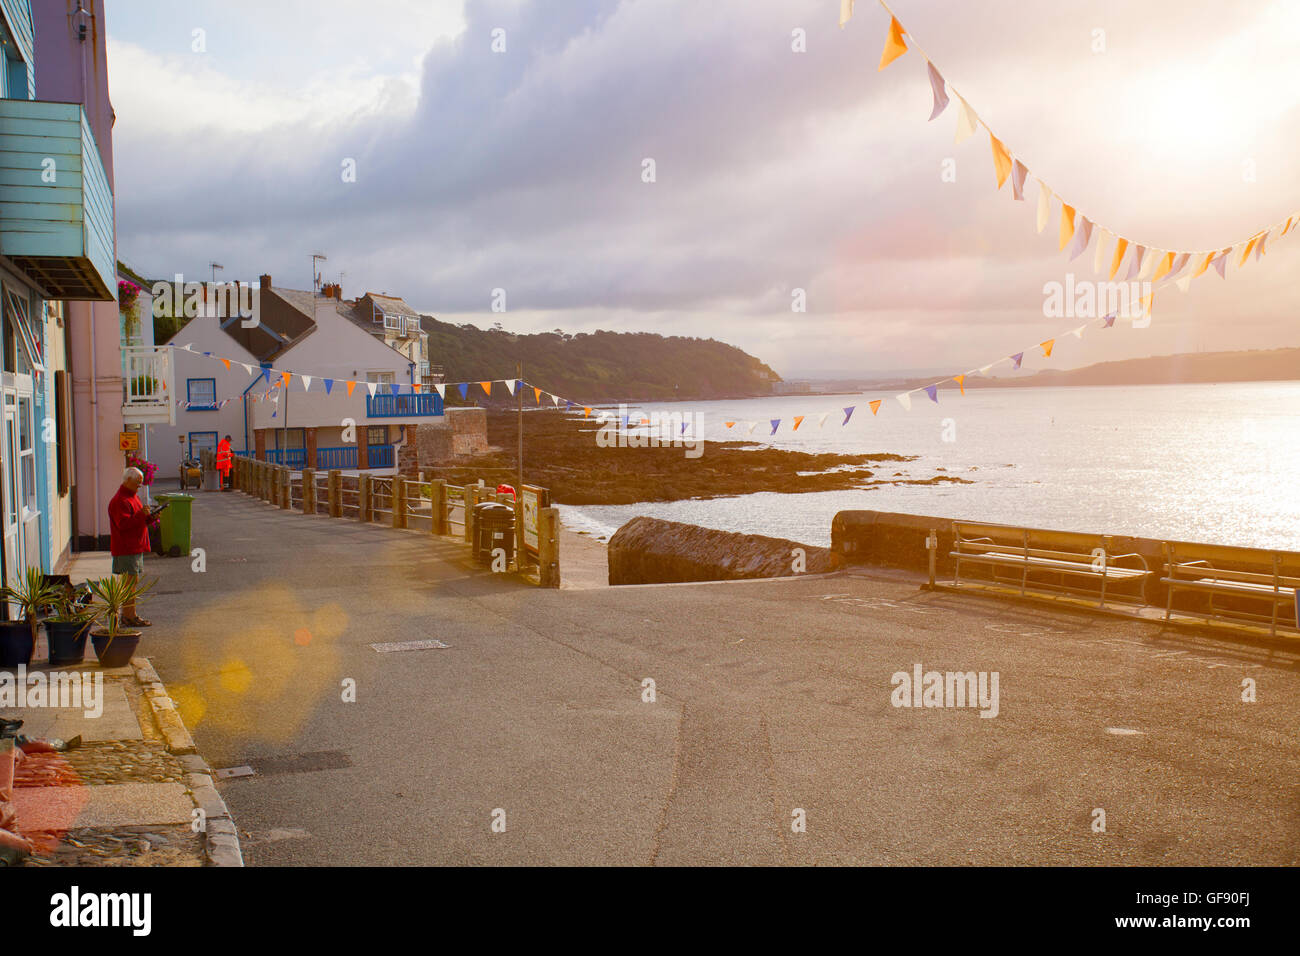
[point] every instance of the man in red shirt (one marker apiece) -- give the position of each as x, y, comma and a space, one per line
128, 523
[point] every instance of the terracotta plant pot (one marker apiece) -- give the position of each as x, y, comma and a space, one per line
119, 651
67, 641
16, 643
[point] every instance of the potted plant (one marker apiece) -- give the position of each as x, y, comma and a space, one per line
18, 638
67, 627
114, 644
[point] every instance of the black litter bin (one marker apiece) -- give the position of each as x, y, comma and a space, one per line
494, 527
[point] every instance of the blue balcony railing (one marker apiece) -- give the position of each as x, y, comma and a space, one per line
404, 406
297, 457
343, 457
382, 456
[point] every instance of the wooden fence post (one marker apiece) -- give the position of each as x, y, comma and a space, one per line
399, 501
336, 498
438, 506
363, 497
471, 499
548, 547
286, 489
309, 491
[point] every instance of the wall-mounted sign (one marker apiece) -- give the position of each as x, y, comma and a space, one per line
129, 441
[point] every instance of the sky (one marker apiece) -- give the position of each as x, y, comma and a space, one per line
776, 169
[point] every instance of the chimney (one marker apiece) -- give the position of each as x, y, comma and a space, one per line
265, 281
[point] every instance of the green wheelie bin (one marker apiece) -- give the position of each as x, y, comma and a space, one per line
175, 529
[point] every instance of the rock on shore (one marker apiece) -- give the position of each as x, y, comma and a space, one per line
652, 551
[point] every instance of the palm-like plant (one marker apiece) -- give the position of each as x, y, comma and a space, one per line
112, 594
32, 592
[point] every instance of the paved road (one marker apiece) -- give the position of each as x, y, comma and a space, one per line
770, 697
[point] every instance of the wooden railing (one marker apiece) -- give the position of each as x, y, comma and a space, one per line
429, 506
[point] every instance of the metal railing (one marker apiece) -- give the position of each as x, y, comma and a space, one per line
423, 405
382, 456
297, 457
341, 457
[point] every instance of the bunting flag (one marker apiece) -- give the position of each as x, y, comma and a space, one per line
776, 423
729, 424
875, 406
1109, 320
936, 87
370, 387
1017, 359
415, 387
1166, 266
1005, 162
1121, 246
266, 374
248, 368
1001, 160
752, 426
905, 400
351, 385
798, 420
306, 382
442, 390
1082, 238
226, 362
487, 388
1047, 347
510, 385
329, 383
933, 392
395, 389
586, 412
961, 382
537, 395
894, 44
848, 413
821, 419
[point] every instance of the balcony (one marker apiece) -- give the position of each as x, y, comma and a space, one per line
147, 386
56, 208
404, 406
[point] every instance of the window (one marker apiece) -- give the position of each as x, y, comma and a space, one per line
27, 456
63, 420
382, 378
376, 435
297, 437
201, 440
22, 353
393, 322
413, 323
201, 393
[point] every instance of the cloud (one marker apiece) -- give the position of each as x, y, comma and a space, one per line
775, 170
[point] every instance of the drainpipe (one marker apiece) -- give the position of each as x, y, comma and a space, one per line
244, 398
94, 354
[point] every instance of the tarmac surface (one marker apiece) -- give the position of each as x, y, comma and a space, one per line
771, 737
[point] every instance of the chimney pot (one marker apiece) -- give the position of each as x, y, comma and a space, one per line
265, 281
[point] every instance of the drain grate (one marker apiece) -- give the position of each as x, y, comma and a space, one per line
410, 646
302, 763
228, 773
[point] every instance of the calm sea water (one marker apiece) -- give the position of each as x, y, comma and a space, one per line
1212, 463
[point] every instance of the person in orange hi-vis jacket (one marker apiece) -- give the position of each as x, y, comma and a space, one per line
225, 458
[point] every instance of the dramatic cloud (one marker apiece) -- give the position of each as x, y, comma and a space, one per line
775, 170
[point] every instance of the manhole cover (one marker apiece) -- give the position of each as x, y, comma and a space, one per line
227, 773
410, 646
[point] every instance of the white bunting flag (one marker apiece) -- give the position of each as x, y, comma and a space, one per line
1149, 264
442, 390
752, 426
509, 383
556, 400
247, 367
905, 400
371, 386
966, 120
1105, 238
822, 421
1078, 333
846, 12
306, 382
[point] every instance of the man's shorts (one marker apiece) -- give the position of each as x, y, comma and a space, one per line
128, 564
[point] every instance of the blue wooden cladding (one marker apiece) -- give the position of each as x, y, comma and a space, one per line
56, 208
404, 406
18, 18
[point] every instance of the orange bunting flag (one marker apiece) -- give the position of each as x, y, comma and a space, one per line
798, 420
1047, 347
1121, 247
1166, 264
1205, 265
415, 387
1287, 227
487, 387
961, 382
351, 386
1067, 224
227, 361
875, 406
894, 45
1246, 255
1001, 160
586, 412
729, 424
537, 395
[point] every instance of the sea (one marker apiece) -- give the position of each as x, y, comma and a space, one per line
1215, 463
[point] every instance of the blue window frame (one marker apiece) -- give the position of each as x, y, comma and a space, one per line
201, 440
201, 393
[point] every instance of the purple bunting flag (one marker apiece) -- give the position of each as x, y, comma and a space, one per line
1018, 358
848, 413
933, 392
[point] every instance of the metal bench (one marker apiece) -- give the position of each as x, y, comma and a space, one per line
1246, 575
1072, 558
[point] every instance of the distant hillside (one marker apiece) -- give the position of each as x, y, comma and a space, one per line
600, 366
1187, 368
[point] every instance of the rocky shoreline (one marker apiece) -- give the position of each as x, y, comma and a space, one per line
561, 453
